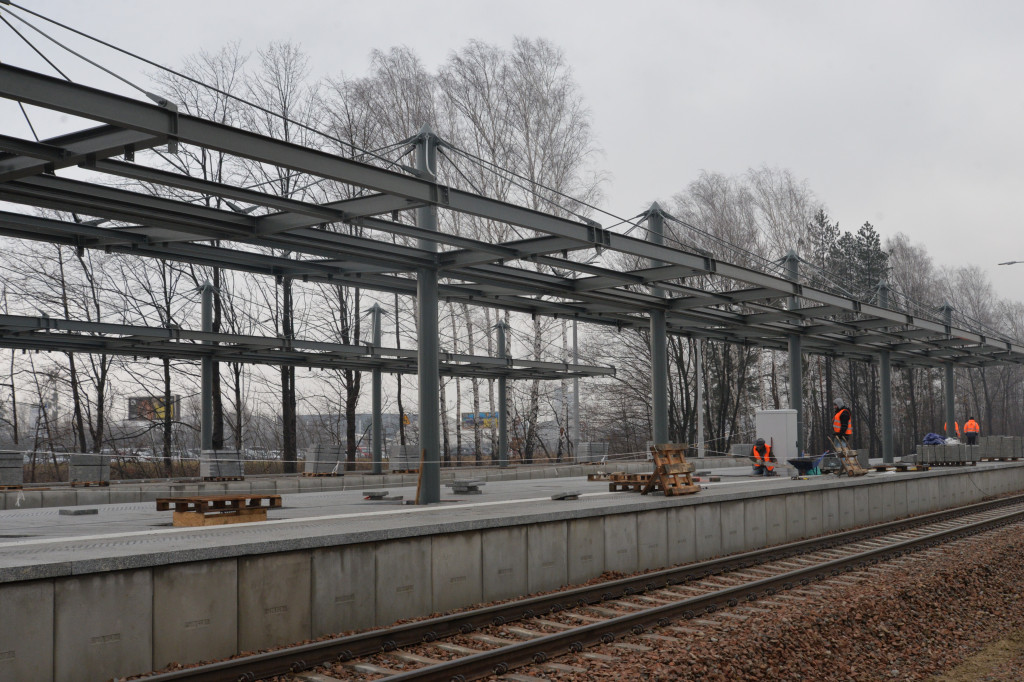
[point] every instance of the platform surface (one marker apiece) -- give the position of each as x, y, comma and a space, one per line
42, 543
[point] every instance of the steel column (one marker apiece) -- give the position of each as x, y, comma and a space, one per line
377, 436
502, 399
659, 342
796, 369
698, 362
950, 383
575, 395
206, 417
885, 378
427, 336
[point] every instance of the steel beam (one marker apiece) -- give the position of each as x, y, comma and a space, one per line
796, 364
885, 381
377, 437
659, 343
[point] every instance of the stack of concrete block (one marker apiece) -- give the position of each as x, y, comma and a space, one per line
11, 470
221, 464
592, 452
89, 468
326, 460
404, 457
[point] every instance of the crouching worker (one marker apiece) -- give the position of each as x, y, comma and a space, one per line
764, 460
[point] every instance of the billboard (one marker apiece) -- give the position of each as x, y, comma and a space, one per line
479, 420
152, 408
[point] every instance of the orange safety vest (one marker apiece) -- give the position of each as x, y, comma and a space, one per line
836, 424
764, 460
972, 427
956, 425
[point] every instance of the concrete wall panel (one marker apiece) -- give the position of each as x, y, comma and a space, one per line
505, 573
813, 507
888, 501
875, 514
586, 538
548, 568
456, 570
755, 523
620, 543
652, 539
861, 506
195, 612
830, 511
403, 579
732, 527
344, 595
776, 532
103, 625
795, 527
847, 507
26, 631
273, 600
682, 535
709, 531
899, 498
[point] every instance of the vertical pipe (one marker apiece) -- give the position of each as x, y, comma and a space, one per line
699, 367
885, 379
377, 437
502, 399
947, 314
796, 369
426, 312
659, 342
206, 418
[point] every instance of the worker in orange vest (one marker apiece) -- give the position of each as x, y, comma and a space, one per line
764, 460
842, 424
971, 431
956, 425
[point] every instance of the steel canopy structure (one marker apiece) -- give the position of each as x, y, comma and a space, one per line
562, 270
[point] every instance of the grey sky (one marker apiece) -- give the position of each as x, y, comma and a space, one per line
907, 114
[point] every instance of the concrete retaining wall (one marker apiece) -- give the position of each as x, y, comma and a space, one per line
112, 624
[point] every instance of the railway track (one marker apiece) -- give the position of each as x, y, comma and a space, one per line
496, 640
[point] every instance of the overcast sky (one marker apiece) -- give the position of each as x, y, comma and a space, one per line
906, 114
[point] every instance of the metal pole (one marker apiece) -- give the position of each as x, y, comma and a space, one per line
377, 437
885, 378
575, 396
206, 418
947, 314
796, 369
426, 312
699, 367
502, 400
659, 341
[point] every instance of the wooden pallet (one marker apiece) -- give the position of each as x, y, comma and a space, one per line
12, 487
222, 479
626, 486
404, 471
599, 476
672, 473
90, 484
310, 474
217, 510
848, 462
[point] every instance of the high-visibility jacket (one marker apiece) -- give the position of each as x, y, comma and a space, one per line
956, 425
764, 459
837, 423
972, 427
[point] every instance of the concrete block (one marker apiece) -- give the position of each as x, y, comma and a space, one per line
830, 521
888, 493
217, 463
26, 631
504, 567
732, 526
273, 600
586, 549
547, 567
195, 612
847, 508
310, 485
344, 588
795, 527
403, 580
149, 494
915, 491
103, 625
755, 522
682, 534
288, 485
899, 499
61, 497
239, 487
709, 531
813, 524
456, 570
25, 499
861, 506
88, 467
262, 486
210, 488
12, 471
620, 543
652, 539
119, 495
775, 520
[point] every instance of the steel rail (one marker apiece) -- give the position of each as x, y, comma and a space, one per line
302, 657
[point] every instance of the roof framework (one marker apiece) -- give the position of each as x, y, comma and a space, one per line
701, 297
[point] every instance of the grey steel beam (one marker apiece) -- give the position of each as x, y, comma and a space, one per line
93, 143
885, 381
796, 363
659, 342
502, 398
206, 417
429, 489
950, 382
377, 437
